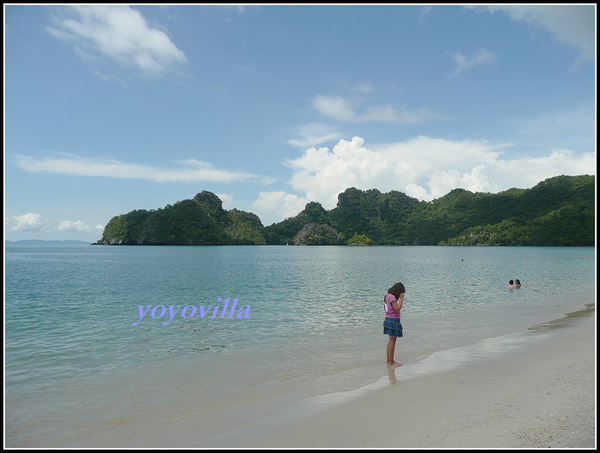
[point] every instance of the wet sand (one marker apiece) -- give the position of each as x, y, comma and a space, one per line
540, 395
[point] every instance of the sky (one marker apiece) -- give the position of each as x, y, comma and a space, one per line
113, 108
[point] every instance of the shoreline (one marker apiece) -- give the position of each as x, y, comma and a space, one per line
531, 389
188, 383
541, 397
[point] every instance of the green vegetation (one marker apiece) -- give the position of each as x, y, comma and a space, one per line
557, 211
360, 239
315, 234
201, 221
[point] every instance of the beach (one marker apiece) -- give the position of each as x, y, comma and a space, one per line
307, 367
538, 395
544, 397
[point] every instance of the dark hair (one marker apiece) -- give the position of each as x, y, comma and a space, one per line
396, 290
510, 282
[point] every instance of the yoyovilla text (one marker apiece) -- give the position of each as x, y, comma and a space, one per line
189, 311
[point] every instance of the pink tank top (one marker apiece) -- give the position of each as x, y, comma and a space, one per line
390, 312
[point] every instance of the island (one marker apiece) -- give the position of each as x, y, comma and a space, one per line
558, 211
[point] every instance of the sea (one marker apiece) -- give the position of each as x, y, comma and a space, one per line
107, 344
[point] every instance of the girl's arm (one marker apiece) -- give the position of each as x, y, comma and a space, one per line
397, 305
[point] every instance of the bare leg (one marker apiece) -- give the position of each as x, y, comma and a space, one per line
391, 347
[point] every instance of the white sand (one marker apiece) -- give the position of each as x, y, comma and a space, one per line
542, 395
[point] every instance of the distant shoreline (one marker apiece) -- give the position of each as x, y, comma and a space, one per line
71, 242
42, 242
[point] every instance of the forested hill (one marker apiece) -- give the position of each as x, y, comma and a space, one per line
200, 221
557, 211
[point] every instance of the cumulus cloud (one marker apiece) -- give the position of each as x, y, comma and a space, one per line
227, 200
119, 34
572, 24
275, 206
27, 222
77, 227
422, 167
188, 171
323, 173
463, 62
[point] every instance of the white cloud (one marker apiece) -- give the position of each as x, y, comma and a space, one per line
117, 33
322, 174
441, 182
77, 227
342, 109
363, 87
27, 222
189, 171
275, 206
314, 134
573, 24
335, 107
463, 62
423, 167
227, 200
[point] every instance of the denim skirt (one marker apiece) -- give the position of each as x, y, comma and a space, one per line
392, 327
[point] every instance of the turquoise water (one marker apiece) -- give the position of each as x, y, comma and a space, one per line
76, 367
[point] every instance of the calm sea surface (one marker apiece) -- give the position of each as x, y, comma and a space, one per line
76, 367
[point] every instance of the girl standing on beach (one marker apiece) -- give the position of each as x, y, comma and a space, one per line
393, 300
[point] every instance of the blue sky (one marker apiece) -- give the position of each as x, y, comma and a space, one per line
114, 108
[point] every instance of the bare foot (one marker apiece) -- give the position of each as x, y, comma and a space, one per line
394, 364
